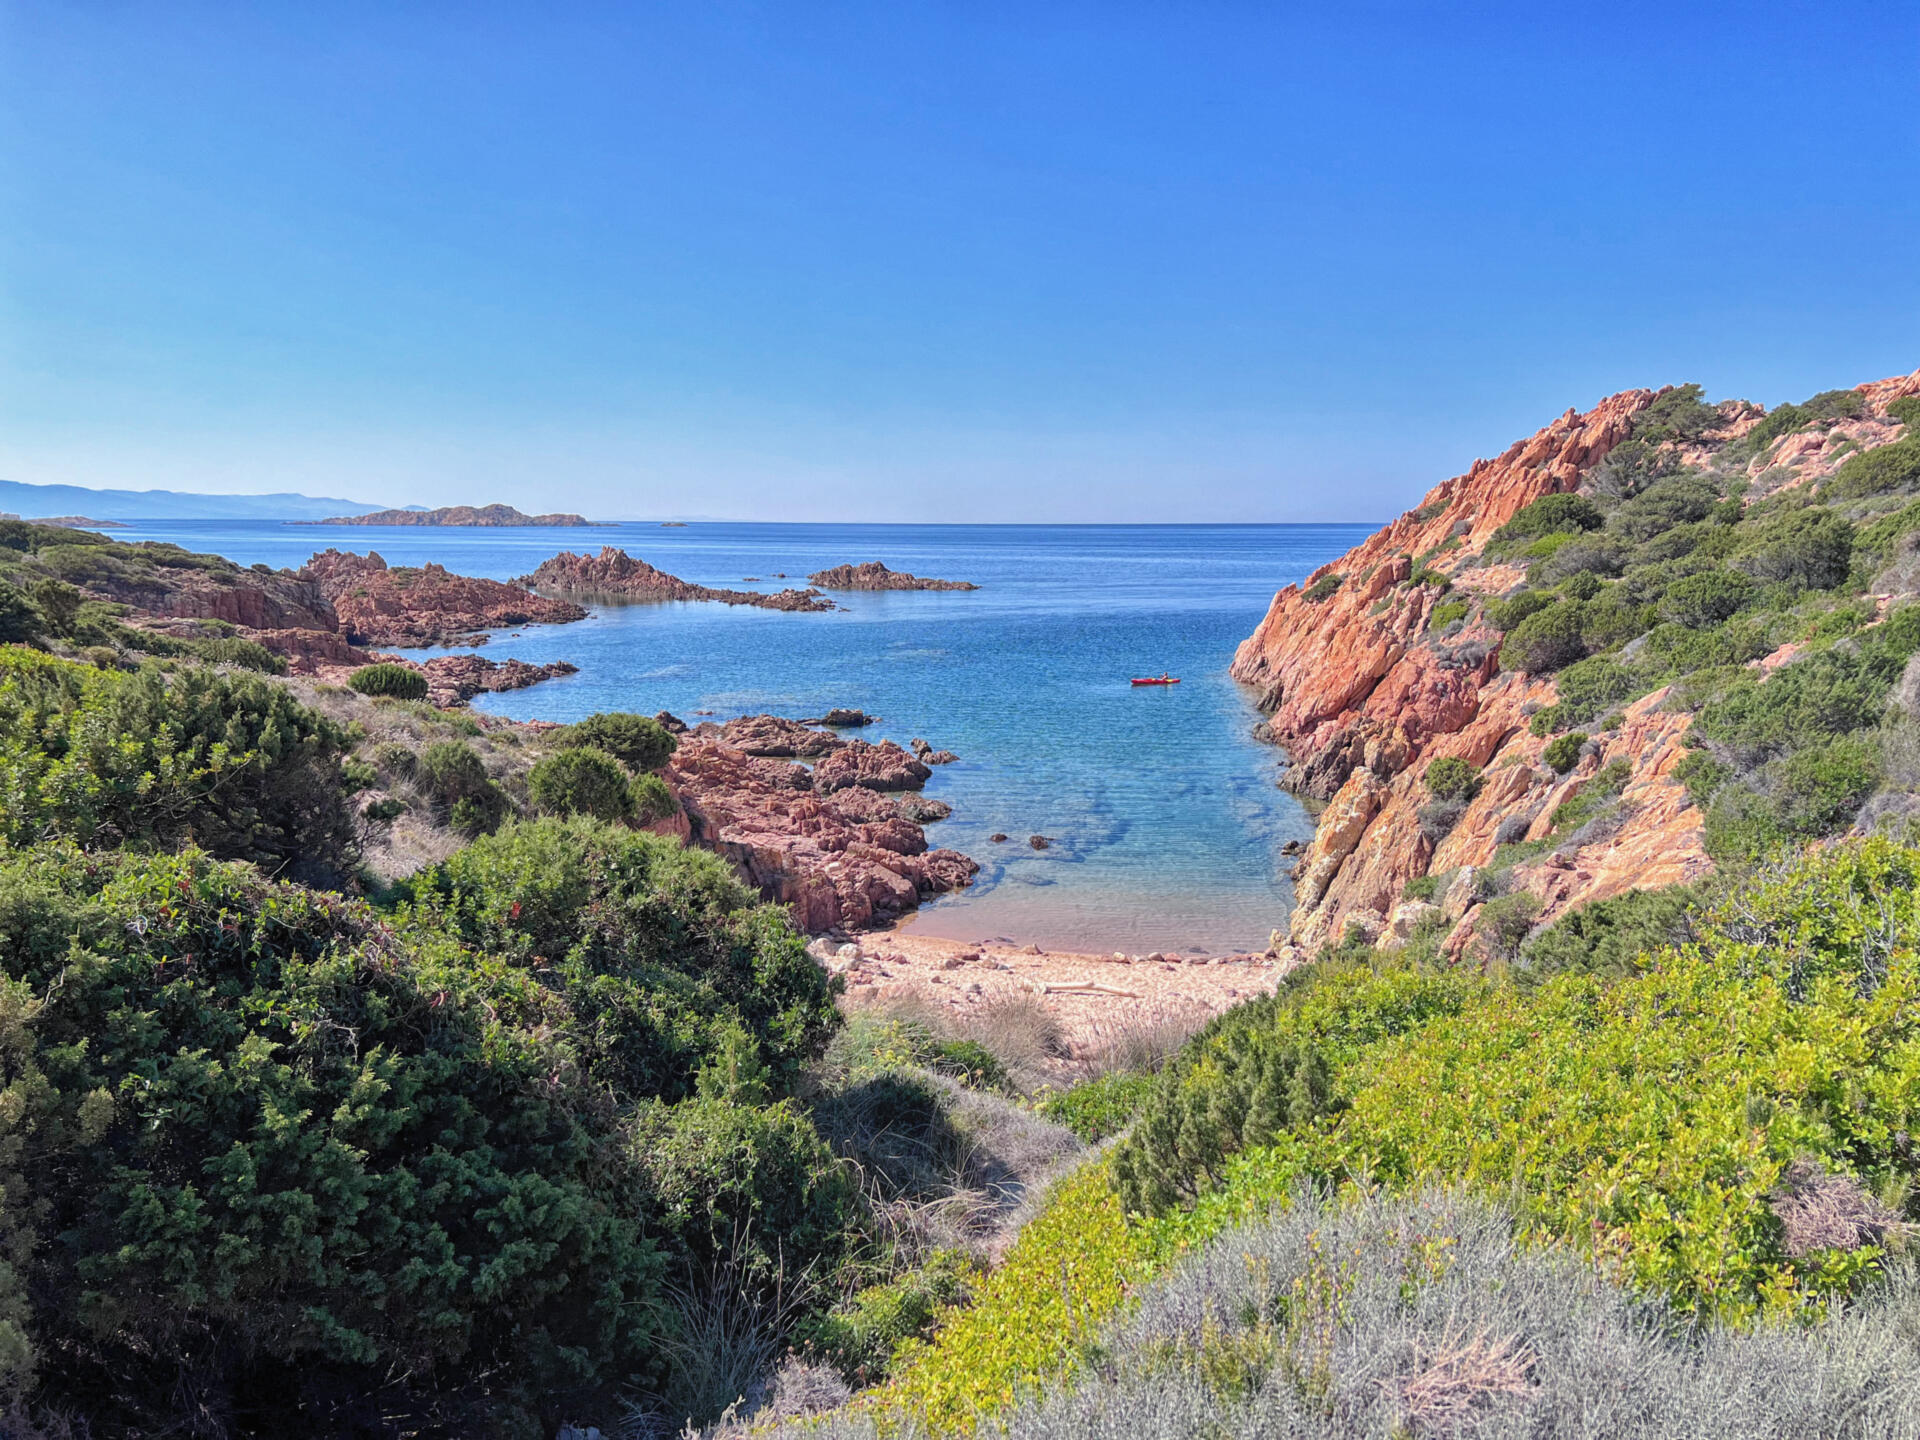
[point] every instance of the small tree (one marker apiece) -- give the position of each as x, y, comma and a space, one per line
395, 681
1451, 778
636, 741
581, 781
1563, 751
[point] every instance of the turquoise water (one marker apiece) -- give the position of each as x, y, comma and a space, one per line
1166, 820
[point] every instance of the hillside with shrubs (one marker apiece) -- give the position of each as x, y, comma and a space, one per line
368, 1069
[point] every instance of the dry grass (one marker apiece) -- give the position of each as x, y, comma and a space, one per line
1459, 1379
1819, 1211
1143, 1040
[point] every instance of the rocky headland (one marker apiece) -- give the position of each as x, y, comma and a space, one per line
379, 604
1388, 660
841, 844
872, 575
503, 516
614, 574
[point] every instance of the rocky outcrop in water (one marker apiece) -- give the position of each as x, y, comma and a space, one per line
614, 574
378, 604
845, 858
456, 679
482, 515
872, 575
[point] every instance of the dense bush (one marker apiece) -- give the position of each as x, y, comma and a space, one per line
1503, 615
652, 799
1451, 778
1676, 415
581, 781
1812, 547
1678, 501
1588, 687
1098, 1108
397, 682
1563, 751
1889, 469
1631, 467
1704, 600
246, 654
1814, 792
1828, 405
1323, 588
1552, 515
860, 1337
457, 777
660, 952
1609, 937
639, 742
286, 1160
231, 762
1546, 640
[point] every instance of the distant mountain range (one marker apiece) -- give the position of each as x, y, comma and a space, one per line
37, 500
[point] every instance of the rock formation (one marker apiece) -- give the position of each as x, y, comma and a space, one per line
1363, 694
378, 604
456, 679
614, 574
872, 575
483, 515
848, 858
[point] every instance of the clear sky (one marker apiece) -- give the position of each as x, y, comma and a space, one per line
973, 261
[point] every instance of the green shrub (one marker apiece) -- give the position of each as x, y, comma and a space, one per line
752, 1189
652, 800
1506, 920
1323, 588
1680, 500
860, 1337
1445, 614
397, 682
1811, 547
1678, 414
384, 809
1889, 469
1590, 686
1906, 410
232, 762
1451, 778
458, 779
1672, 649
1704, 600
1610, 937
246, 654
1546, 639
1807, 795
639, 742
581, 781
1552, 515
302, 1159
1503, 615
1545, 720
397, 760
1563, 751
21, 622
1702, 775
1421, 887
659, 951
1099, 1108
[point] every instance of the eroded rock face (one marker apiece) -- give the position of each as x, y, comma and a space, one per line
399, 605
872, 575
616, 574
873, 767
843, 858
252, 599
1363, 696
771, 736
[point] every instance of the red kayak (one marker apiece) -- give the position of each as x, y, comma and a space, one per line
1158, 680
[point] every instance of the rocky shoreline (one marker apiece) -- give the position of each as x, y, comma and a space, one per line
872, 575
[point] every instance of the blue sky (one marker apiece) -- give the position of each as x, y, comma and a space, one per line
945, 262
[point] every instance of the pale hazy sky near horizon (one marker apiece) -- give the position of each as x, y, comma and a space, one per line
1121, 262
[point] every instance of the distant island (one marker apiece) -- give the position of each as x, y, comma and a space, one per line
872, 575
66, 522
495, 515
19, 497
614, 574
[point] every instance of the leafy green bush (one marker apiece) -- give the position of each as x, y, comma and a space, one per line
639, 742
1812, 547
1906, 410
397, 682
1545, 720
1552, 515
1451, 778
1704, 600
1673, 649
1889, 469
860, 1337
1785, 419
1504, 615
1587, 687
1323, 588
1563, 751
1678, 415
1546, 640
1680, 500
1445, 614
1098, 1108
652, 800
232, 762
581, 781
246, 654
458, 779
659, 951
1701, 774
1631, 467
1812, 793
285, 1158
1608, 937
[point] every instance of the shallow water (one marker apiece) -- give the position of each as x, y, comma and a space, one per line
1163, 810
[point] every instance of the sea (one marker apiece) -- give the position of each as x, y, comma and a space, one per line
1162, 814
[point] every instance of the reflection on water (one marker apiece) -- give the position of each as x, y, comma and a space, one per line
1163, 812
